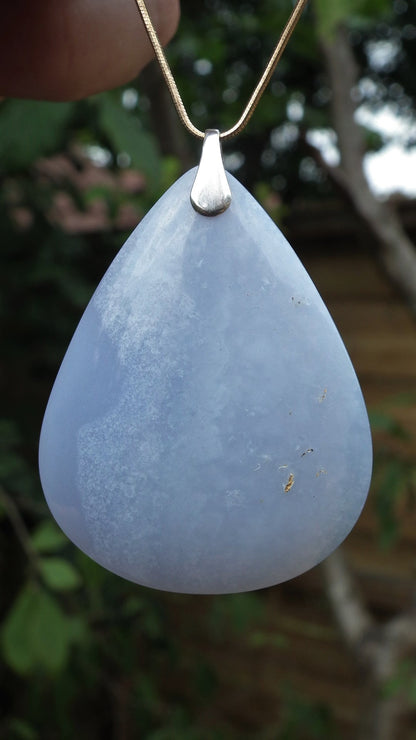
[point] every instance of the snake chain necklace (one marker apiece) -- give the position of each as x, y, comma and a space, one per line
206, 432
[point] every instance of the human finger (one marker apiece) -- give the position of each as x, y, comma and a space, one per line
65, 51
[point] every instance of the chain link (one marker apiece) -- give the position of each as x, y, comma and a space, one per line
257, 92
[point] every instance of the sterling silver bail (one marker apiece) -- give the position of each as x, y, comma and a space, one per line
211, 194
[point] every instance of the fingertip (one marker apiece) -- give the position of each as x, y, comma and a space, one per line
67, 52
167, 19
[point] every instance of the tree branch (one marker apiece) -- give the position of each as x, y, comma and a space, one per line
397, 252
350, 612
20, 529
378, 648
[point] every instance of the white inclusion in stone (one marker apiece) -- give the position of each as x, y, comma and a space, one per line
206, 432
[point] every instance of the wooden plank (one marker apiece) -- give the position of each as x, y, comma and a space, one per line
341, 275
376, 316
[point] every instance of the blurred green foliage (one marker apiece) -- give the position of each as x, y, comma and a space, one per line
394, 478
86, 654
403, 682
357, 12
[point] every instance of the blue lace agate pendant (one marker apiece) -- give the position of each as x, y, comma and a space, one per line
206, 432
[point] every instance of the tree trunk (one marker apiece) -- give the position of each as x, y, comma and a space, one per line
165, 122
378, 650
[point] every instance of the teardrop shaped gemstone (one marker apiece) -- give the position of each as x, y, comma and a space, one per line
206, 432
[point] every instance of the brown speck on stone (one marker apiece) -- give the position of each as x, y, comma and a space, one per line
289, 483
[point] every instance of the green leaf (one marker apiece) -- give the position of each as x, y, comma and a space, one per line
59, 574
16, 640
9, 435
50, 633
133, 606
21, 730
77, 629
387, 494
126, 134
30, 129
48, 537
411, 691
93, 574
236, 612
36, 633
332, 13
402, 681
385, 422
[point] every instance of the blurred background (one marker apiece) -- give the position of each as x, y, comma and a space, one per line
330, 153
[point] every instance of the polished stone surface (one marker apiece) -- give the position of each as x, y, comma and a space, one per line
206, 432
